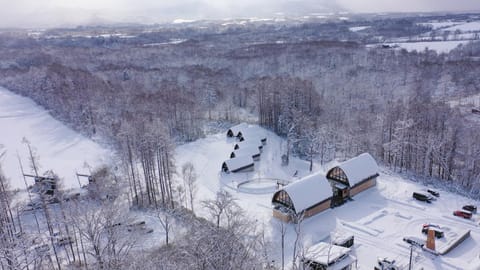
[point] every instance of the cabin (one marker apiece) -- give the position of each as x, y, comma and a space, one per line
307, 197
236, 130
254, 152
238, 164
248, 144
352, 177
325, 256
251, 134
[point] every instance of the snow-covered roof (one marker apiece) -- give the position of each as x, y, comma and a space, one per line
325, 253
359, 168
249, 144
308, 191
237, 128
238, 162
253, 133
247, 151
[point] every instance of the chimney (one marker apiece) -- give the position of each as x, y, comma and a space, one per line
431, 240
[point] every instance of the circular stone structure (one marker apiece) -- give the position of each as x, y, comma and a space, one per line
261, 185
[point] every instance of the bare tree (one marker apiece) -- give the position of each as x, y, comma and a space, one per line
224, 205
282, 229
298, 243
189, 180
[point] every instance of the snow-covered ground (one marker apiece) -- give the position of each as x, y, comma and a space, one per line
358, 28
439, 25
438, 46
58, 147
379, 218
465, 27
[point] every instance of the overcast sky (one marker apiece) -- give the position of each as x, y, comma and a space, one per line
50, 13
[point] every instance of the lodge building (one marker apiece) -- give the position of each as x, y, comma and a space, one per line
318, 192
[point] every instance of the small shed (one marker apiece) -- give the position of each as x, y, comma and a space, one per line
236, 130
352, 177
325, 256
238, 164
253, 151
308, 196
248, 144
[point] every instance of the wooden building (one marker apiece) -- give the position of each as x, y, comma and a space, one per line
238, 164
236, 130
248, 144
305, 197
325, 256
352, 177
252, 135
253, 151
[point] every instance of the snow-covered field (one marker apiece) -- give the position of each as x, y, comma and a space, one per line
358, 28
58, 147
378, 218
465, 27
439, 25
438, 46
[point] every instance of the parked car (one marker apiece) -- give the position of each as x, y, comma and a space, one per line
463, 213
438, 232
422, 197
433, 192
386, 264
414, 241
470, 207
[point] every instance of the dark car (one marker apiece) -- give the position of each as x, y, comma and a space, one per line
433, 192
438, 232
386, 264
422, 197
463, 213
471, 208
414, 241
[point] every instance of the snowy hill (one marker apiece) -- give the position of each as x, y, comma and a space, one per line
378, 218
58, 147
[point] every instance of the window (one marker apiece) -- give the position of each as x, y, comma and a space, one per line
282, 198
338, 175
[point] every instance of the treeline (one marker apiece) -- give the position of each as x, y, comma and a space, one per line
330, 99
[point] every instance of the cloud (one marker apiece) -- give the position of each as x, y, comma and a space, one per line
410, 5
50, 13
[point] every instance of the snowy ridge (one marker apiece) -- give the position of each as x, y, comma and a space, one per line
58, 147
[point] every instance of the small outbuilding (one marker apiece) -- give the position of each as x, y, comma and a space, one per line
325, 256
253, 151
352, 177
238, 164
307, 197
236, 130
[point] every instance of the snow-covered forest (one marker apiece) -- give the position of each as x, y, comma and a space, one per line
303, 79
331, 88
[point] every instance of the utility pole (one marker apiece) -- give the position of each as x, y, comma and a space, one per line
411, 253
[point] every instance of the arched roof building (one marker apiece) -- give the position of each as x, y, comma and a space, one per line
307, 196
